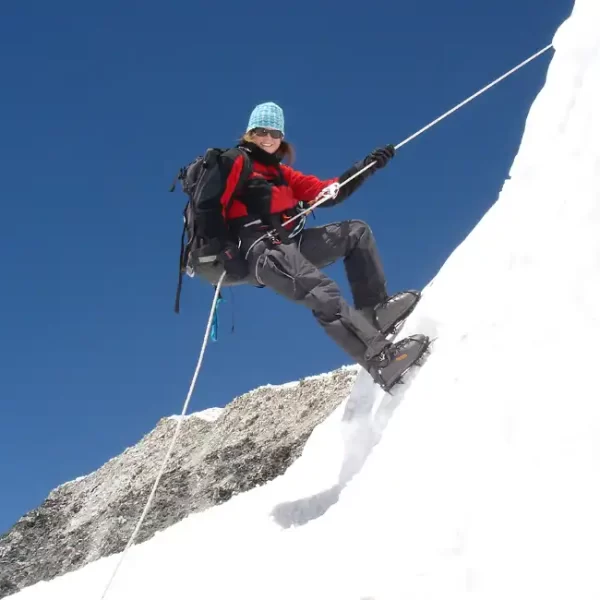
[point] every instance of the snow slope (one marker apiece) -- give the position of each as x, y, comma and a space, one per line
485, 481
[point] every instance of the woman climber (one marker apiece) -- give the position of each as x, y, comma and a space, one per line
289, 258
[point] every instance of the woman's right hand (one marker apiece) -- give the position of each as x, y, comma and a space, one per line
257, 195
264, 198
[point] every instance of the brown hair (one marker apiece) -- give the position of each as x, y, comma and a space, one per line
286, 150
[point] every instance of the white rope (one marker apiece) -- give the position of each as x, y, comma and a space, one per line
422, 130
173, 440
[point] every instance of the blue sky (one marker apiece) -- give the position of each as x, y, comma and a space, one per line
100, 106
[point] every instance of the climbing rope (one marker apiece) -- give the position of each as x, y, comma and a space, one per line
175, 434
327, 194
332, 191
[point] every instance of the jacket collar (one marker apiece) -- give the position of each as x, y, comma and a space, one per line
260, 155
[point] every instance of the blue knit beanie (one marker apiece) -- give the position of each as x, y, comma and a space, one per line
266, 115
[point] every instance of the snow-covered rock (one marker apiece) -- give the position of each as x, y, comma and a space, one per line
220, 452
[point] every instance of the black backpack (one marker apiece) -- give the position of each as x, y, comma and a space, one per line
205, 231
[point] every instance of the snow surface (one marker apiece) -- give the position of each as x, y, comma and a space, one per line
208, 414
485, 481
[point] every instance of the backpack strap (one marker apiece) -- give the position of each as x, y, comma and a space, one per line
244, 175
181, 270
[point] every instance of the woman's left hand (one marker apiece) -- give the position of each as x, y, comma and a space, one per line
381, 156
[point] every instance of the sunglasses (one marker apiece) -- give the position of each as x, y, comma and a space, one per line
263, 132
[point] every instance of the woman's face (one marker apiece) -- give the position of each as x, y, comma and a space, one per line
267, 139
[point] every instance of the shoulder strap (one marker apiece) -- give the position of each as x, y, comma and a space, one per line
244, 175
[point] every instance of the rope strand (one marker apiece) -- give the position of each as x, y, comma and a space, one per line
428, 126
173, 440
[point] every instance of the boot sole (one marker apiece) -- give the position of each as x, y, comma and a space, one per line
417, 360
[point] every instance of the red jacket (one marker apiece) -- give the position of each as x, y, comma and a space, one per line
289, 187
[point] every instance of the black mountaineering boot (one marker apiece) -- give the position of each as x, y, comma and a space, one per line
389, 315
388, 367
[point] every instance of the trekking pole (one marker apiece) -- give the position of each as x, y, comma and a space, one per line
175, 434
333, 193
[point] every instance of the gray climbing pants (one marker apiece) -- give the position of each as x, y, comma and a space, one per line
293, 271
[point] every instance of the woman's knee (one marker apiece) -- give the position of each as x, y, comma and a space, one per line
360, 233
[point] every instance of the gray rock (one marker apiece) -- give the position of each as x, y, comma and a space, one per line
219, 453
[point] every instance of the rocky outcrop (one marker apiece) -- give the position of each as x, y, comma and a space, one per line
219, 453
